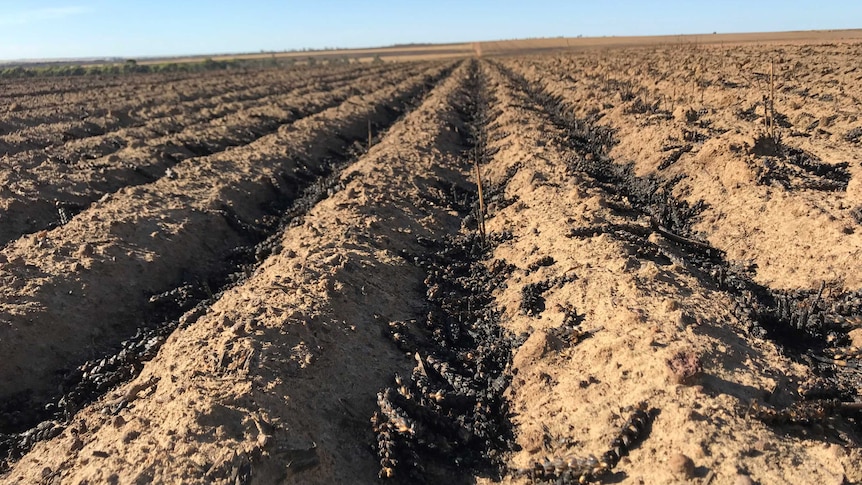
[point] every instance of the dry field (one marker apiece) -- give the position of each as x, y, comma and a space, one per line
293, 275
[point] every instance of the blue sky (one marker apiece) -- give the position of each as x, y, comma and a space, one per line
98, 28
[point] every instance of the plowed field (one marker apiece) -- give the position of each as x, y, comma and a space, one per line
295, 275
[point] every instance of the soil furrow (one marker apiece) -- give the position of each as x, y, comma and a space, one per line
186, 88
141, 241
448, 419
172, 309
619, 326
301, 338
80, 118
88, 122
764, 202
127, 85
34, 196
42, 86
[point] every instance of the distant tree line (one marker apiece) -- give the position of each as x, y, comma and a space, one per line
130, 66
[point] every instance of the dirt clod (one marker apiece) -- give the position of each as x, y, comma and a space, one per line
685, 367
681, 465
76, 444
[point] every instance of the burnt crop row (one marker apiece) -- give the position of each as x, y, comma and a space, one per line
560, 465
450, 415
449, 418
811, 325
585, 469
139, 96
181, 306
200, 281
87, 128
87, 177
795, 169
774, 160
591, 143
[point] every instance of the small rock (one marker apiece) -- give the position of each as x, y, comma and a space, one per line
631, 264
85, 250
763, 445
681, 465
743, 480
238, 328
76, 445
684, 320
837, 450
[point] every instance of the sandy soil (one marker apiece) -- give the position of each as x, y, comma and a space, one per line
176, 225
275, 377
797, 237
642, 314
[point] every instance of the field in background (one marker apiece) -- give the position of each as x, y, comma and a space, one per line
532, 46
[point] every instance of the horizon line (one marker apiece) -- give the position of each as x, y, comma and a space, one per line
312, 50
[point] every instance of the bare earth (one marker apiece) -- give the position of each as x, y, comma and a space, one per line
214, 278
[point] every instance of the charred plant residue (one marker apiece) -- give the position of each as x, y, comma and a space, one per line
813, 325
24, 422
571, 468
450, 413
450, 416
532, 301
794, 169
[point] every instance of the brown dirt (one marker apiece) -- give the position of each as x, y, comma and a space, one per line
277, 379
797, 238
175, 225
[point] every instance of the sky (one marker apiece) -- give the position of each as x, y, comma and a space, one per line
44, 29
